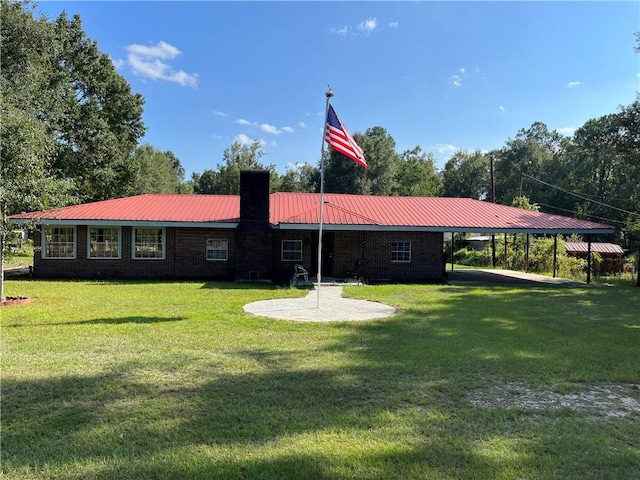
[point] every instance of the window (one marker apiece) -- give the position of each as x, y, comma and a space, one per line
104, 242
292, 250
148, 243
400, 251
217, 249
59, 242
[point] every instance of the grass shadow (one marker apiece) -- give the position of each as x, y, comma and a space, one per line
103, 321
369, 400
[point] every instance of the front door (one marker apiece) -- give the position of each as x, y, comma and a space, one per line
328, 250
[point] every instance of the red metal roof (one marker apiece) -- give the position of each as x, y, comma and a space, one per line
301, 210
441, 213
149, 208
583, 247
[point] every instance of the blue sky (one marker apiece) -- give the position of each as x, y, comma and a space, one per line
441, 75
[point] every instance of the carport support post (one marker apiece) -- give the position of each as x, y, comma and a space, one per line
453, 237
505, 250
526, 255
493, 250
589, 259
555, 255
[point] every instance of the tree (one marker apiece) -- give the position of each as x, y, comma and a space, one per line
594, 169
157, 172
226, 180
466, 175
301, 178
55, 74
69, 120
343, 175
629, 147
525, 204
204, 183
417, 175
632, 232
26, 181
530, 153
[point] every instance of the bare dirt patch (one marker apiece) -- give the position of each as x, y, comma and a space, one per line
608, 400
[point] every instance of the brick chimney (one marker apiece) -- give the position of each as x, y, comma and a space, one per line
254, 233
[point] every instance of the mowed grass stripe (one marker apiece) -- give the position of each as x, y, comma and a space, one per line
113, 380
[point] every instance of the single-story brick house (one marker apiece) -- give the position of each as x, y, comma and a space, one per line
261, 236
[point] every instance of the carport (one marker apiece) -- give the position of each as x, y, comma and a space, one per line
496, 219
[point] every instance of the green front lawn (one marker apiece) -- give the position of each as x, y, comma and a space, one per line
167, 380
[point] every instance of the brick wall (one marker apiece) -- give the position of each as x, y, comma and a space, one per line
256, 251
367, 252
283, 270
185, 257
427, 260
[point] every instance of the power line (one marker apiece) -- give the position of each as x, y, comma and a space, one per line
580, 196
577, 213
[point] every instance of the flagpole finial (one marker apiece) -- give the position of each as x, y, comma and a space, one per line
329, 94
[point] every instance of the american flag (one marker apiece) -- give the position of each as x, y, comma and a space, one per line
338, 137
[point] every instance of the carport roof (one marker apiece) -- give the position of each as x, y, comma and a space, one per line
301, 211
441, 214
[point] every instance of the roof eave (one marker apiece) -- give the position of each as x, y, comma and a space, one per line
443, 229
122, 223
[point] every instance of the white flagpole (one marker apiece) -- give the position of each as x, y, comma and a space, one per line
329, 94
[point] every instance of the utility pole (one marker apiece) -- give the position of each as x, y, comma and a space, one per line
520, 192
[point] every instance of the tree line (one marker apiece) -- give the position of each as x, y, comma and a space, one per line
593, 174
71, 130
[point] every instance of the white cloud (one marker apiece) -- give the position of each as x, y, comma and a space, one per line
568, 131
265, 127
502, 109
368, 25
243, 139
148, 61
573, 84
117, 63
445, 148
394, 25
365, 27
302, 125
183, 78
456, 79
218, 113
159, 50
295, 165
340, 31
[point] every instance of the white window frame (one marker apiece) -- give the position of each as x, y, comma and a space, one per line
291, 251
46, 243
104, 242
162, 244
399, 250
220, 245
